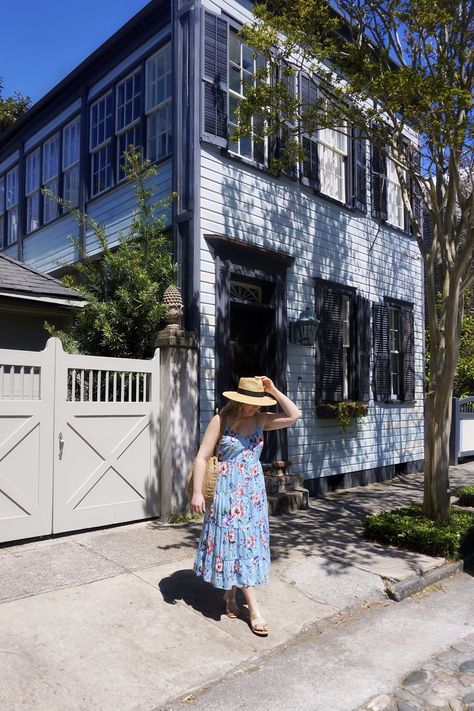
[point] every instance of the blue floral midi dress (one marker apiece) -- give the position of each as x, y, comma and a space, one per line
234, 548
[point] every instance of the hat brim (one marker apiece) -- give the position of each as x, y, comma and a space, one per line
248, 399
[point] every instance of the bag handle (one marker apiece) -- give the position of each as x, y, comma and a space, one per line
221, 432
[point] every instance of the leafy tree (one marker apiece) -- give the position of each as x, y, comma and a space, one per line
404, 64
124, 288
12, 108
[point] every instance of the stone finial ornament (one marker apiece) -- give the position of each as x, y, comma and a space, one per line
173, 302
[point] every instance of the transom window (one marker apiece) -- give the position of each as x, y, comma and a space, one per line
242, 65
395, 211
241, 291
158, 104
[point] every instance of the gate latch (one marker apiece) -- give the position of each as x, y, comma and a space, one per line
61, 445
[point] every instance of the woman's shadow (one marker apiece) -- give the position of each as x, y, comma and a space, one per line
193, 591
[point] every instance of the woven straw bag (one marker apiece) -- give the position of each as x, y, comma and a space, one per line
211, 474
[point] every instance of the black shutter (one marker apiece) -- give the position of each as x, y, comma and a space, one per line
287, 132
310, 174
363, 343
329, 347
359, 170
381, 383
408, 354
379, 182
214, 79
415, 192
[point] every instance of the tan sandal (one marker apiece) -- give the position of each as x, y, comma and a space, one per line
258, 626
232, 610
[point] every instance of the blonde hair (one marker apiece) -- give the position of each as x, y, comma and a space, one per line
234, 410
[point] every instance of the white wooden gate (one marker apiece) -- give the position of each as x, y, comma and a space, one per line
79, 441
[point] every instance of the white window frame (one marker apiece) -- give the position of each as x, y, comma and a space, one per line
246, 68
11, 204
333, 148
100, 144
50, 179
395, 210
128, 131
395, 346
158, 104
346, 343
71, 162
32, 190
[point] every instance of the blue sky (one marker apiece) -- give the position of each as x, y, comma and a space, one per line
42, 41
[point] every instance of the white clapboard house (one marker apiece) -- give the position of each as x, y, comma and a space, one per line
255, 251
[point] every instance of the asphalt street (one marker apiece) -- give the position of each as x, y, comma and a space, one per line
366, 655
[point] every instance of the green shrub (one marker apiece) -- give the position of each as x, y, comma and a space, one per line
409, 528
466, 496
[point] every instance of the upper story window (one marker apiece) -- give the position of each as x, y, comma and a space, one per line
128, 112
395, 210
158, 107
333, 156
50, 177
101, 144
242, 66
11, 204
32, 190
71, 162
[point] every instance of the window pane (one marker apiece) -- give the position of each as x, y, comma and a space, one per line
128, 101
159, 134
32, 172
234, 48
12, 188
158, 78
51, 158
125, 141
71, 187
50, 209
32, 212
101, 170
101, 121
12, 227
71, 143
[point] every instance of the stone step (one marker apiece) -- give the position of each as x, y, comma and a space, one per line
288, 501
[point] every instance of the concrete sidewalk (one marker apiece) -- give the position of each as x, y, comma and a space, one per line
115, 618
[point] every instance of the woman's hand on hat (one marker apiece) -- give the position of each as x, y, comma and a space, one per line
268, 384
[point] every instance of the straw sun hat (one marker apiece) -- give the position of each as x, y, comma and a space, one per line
251, 392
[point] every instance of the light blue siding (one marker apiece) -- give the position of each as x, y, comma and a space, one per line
53, 246
48, 128
116, 208
330, 242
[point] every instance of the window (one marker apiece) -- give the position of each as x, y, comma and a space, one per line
12, 206
242, 66
343, 344
158, 104
101, 144
71, 160
394, 369
32, 191
128, 112
333, 156
310, 169
395, 211
50, 177
2, 212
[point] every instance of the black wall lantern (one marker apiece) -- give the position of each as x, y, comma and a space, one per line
303, 331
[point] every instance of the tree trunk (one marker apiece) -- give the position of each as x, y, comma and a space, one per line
436, 498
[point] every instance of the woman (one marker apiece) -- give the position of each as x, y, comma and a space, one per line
234, 546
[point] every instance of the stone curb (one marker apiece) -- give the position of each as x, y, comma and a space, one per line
403, 589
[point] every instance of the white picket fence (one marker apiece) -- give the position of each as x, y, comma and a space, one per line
79, 441
462, 429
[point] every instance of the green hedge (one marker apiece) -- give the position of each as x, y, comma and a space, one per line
408, 528
466, 496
